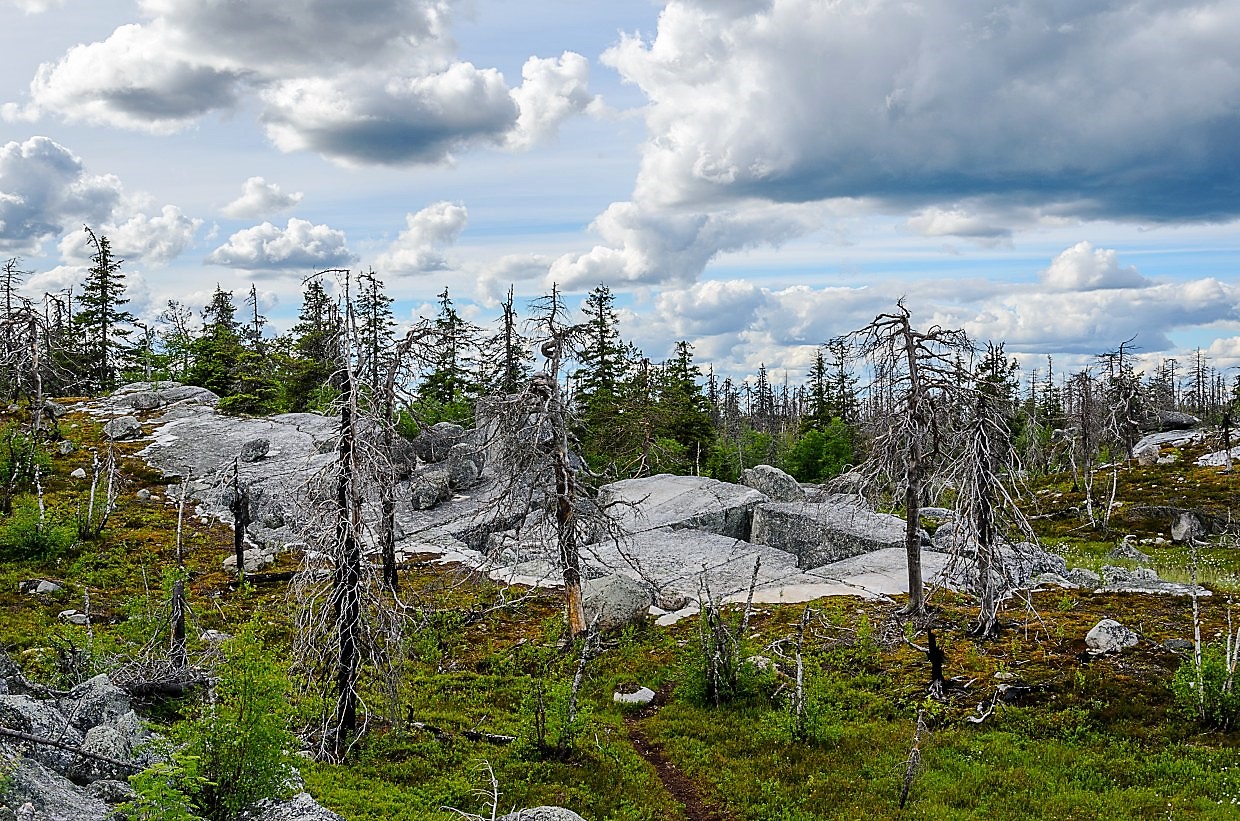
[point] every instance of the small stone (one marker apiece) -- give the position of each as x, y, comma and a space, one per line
65, 447
643, 695
255, 450
143, 495
1125, 550
79, 473
46, 588
671, 600
214, 636
1177, 645
1004, 675
73, 617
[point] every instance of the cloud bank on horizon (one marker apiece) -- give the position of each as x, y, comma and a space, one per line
773, 129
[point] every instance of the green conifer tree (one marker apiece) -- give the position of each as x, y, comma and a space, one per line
103, 325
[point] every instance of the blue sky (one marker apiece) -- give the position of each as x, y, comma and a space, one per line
755, 176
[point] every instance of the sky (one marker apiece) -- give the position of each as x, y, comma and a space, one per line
754, 176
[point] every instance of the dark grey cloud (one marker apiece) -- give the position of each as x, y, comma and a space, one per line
1120, 109
422, 120
368, 82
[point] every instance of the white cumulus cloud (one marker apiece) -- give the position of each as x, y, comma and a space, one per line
550, 92
1116, 108
365, 82
45, 189
260, 198
300, 245
1085, 268
418, 249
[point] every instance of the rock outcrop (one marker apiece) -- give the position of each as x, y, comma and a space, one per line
819, 534
693, 502
774, 483
100, 743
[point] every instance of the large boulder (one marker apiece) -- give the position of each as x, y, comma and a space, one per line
616, 600
773, 482
464, 463
95, 701
681, 502
1169, 420
1187, 527
818, 534
145, 401
52, 796
300, 807
40, 717
1144, 580
106, 741
122, 427
1019, 563
432, 445
429, 488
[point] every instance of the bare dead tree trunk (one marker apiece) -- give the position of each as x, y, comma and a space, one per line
913, 370
177, 646
240, 507
800, 729
912, 534
346, 603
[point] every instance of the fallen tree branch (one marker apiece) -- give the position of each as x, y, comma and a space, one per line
62, 745
472, 735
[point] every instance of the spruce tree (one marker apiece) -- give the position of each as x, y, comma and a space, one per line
217, 351
685, 408
375, 324
315, 350
603, 356
100, 320
447, 385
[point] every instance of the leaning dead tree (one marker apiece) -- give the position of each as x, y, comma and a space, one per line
918, 379
542, 482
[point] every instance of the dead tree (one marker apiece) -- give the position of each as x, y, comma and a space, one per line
919, 372
543, 484
347, 618
239, 506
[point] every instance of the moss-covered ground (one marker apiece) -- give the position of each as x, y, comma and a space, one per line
1029, 726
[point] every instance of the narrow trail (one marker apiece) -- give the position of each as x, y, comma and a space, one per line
682, 790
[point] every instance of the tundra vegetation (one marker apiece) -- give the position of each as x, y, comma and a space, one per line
415, 689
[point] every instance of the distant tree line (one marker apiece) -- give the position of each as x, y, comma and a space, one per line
633, 415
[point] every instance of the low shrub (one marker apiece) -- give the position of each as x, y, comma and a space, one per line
1210, 694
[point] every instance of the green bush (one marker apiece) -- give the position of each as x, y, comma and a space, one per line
237, 751
1217, 703
23, 536
162, 794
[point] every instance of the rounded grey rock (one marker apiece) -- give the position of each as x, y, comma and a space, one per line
255, 450
1109, 636
542, 814
122, 427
